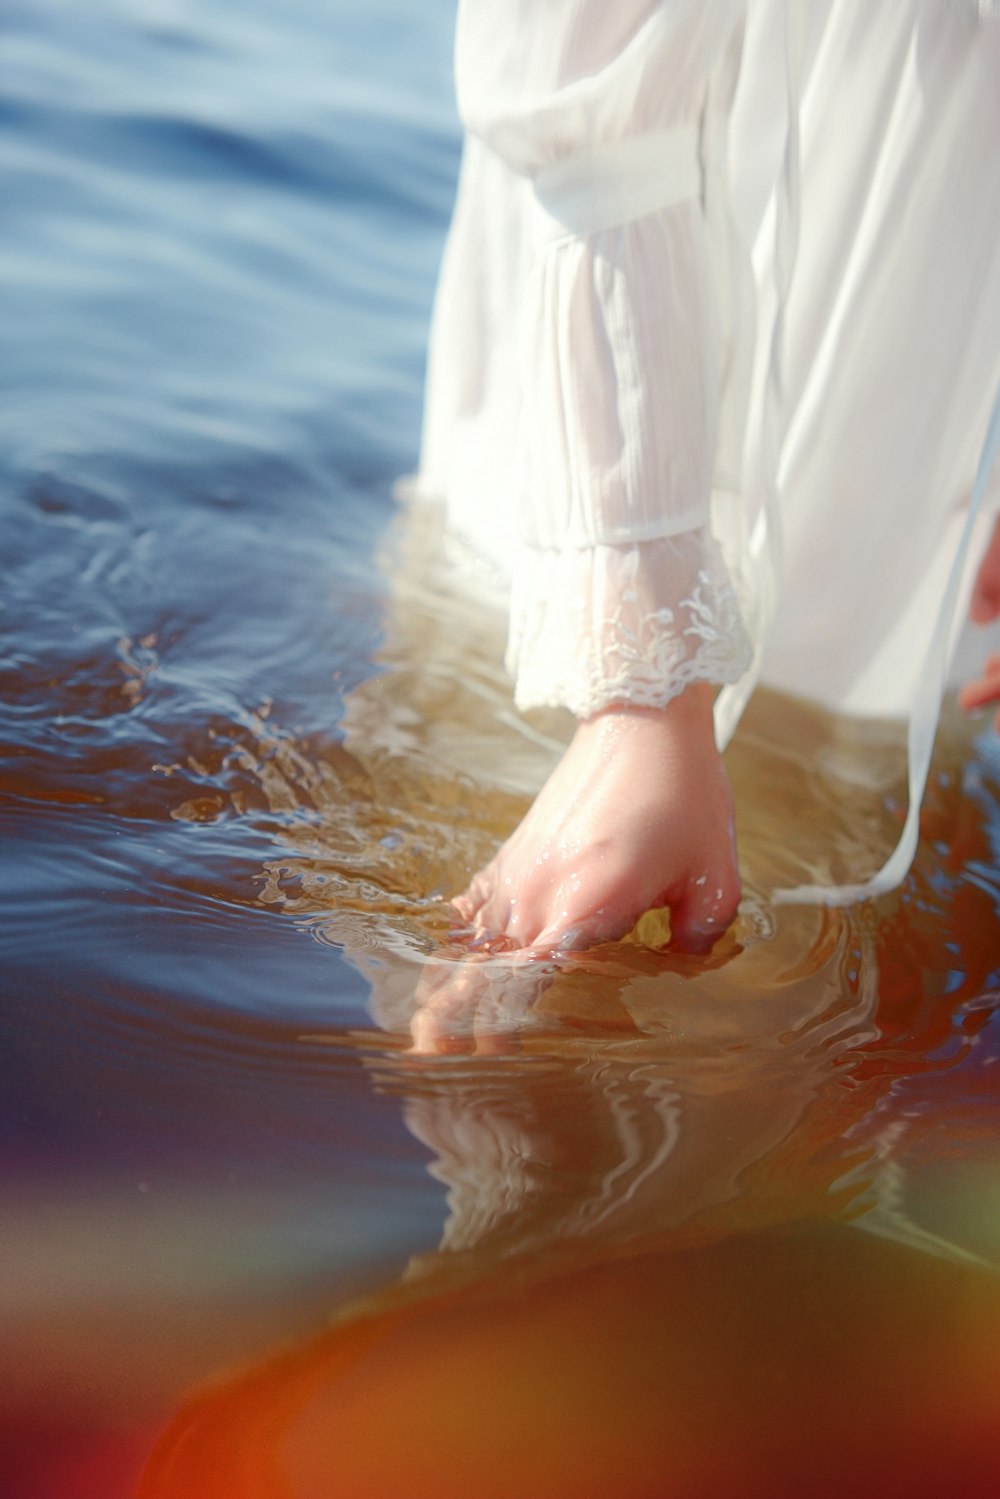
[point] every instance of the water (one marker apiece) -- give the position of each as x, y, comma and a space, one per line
650, 1225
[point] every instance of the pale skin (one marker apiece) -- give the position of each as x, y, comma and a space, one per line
984, 610
638, 815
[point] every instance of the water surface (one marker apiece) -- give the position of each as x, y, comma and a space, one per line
648, 1225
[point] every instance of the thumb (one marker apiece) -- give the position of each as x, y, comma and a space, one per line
704, 910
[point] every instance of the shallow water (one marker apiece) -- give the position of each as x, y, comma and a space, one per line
649, 1226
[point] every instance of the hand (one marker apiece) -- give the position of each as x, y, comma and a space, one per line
984, 690
638, 814
985, 608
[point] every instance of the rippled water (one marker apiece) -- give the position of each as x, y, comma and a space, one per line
649, 1225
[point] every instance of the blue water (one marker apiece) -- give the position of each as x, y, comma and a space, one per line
225, 733
220, 229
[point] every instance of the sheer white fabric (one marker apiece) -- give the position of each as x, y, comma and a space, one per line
589, 379
892, 330
585, 362
590, 625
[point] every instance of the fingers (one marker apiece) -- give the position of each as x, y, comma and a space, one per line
985, 690
474, 897
566, 935
489, 906
702, 910
448, 1001
477, 1004
502, 912
705, 910
985, 606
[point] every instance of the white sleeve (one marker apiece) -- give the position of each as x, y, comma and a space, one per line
625, 319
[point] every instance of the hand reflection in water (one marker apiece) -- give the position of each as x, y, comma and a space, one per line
484, 996
476, 1001
645, 1235
581, 1106
651, 1173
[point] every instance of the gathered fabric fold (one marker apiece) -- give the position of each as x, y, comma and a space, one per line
619, 378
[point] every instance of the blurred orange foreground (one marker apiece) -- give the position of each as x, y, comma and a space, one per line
813, 1361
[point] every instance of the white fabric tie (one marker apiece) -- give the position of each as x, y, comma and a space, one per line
924, 717
766, 542
601, 189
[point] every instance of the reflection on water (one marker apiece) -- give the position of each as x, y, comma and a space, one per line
680, 1196
674, 1187
629, 1223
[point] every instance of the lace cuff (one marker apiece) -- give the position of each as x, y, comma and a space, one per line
634, 623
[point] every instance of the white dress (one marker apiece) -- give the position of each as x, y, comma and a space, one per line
603, 339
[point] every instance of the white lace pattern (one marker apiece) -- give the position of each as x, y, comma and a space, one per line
634, 623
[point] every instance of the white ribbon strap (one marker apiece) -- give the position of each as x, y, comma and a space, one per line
925, 714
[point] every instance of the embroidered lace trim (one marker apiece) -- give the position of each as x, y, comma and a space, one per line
635, 623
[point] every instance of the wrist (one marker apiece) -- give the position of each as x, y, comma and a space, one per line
690, 710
